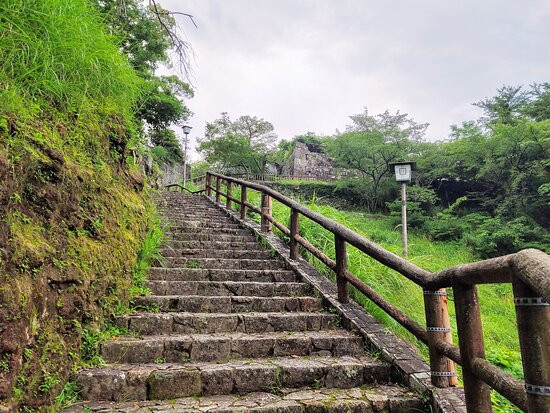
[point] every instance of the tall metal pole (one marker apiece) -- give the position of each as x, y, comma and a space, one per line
404, 218
185, 161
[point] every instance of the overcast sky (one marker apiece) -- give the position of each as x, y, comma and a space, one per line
306, 65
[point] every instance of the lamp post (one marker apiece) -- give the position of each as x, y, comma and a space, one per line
186, 130
403, 174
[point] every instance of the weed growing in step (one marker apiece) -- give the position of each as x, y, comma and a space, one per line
193, 264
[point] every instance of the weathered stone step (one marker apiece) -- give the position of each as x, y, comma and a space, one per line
211, 274
207, 236
214, 231
365, 399
221, 347
220, 245
229, 304
169, 381
224, 263
194, 225
207, 323
216, 253
219, 288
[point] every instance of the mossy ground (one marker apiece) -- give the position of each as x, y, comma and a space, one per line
74, 213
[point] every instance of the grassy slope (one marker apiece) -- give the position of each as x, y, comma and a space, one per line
501, 340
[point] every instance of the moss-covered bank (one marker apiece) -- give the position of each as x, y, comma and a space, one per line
70, 233
74, 208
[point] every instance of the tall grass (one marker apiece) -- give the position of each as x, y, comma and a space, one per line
57, 52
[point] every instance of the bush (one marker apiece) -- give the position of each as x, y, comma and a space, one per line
491, 237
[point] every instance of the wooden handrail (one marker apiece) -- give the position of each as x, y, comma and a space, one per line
184, 188
527, 270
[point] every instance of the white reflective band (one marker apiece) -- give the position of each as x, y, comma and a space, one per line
530, 301
443, 373
439, 329
436, 292
540, 390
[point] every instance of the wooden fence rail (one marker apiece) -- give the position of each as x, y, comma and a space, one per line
527, 270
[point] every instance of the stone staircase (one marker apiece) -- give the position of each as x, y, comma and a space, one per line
229, 328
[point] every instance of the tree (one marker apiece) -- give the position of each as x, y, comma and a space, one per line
371, 144
147, 35
167, 148
254, 137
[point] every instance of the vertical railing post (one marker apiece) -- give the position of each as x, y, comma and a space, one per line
470, 341
438, 326
208, 184
228, 197
294, 230
218, 186
341, 268
266, 212
533, 319
243, 202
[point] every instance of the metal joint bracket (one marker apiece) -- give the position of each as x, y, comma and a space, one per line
530, 301
436, 292
439, 329
539, 390
443, 373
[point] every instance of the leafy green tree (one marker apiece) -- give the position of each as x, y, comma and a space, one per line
253, 138
147, 34
167, 148
371, 144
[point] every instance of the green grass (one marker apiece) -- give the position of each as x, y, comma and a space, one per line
58, 52
498, 314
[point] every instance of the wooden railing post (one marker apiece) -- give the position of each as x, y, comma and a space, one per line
341, 268
470, 340
533, 318
266, 212
228, 197
218, 186
438, 326
243, 202
208, 185
294, 230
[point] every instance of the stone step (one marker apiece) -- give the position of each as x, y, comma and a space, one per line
169, 381
222, 347
210, 274
218, 245
195, 214
208, 323
214, 231
216, 253
366, 399
231, 288
195, 225
228, 304
223, 263
207, 236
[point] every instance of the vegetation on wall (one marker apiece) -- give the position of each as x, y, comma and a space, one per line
74, 206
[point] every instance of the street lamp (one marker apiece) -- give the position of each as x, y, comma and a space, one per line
186, 130
403, 174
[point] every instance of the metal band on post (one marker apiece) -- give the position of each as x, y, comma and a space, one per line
443, 373
439, 329
538, 390
530, 301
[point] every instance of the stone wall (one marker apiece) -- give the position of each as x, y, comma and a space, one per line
172, 174
309, 159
